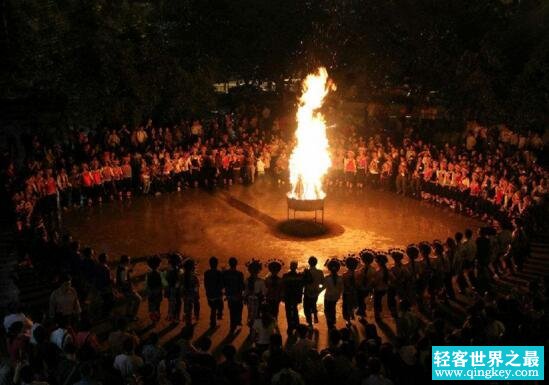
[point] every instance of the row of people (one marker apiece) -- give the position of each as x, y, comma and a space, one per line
430, 269
430, 272
469, 182
428, 275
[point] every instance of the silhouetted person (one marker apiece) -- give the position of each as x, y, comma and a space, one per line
233, 281
213, 283
292, 294
313, 279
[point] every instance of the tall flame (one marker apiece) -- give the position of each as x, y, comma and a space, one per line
310, 158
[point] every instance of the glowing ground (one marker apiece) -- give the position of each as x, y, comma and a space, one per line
244, 221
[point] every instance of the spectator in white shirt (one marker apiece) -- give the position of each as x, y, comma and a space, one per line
262, 330
15, 314
61, 336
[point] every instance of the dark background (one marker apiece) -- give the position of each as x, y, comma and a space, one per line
83, 62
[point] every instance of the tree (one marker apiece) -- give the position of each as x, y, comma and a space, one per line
121, 61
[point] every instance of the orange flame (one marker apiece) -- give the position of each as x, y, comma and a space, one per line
310, 157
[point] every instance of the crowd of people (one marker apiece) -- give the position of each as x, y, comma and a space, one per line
495, 175
60, 347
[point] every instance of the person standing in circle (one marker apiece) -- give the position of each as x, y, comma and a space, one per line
381, 283
190, 291
313, 280
173, 289
398, 280
255, 290
213, 283
153, 284
350, 291
292, 284
334, 289
125, 286
274, 285
233, 282
365, 281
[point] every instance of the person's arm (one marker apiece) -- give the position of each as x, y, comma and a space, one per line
242, 289
340, 286
17, 372
321, 283
245, 290
263, 289
276, 329
136, 339
197, 284
221, 284
206, 283
76, 307
94, 342
139, 362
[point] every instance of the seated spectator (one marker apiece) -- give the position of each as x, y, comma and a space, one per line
128, 363
86, 341
62, 335
119, 335
300, 350
152, 353
15, 314
230, 369
17, 342
262, 330
87, 375
375, 377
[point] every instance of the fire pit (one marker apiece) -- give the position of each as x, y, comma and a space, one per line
315, 205
310, 158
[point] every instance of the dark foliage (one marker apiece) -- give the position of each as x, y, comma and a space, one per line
121, 61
